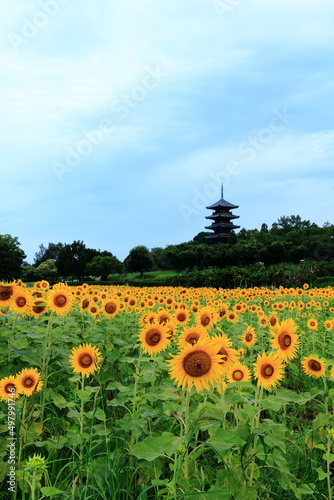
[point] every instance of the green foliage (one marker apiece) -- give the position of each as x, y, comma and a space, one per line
47, 271
103, 265
11, 257
139, 259
128, 431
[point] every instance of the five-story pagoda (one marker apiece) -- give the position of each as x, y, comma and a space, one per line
221, 220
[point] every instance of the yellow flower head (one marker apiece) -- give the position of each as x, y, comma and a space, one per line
85, 359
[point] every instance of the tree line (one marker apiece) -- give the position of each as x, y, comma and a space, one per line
289, 240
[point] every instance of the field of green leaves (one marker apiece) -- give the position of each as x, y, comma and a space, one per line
121, 393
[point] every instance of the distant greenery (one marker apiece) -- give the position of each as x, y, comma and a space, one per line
249, 257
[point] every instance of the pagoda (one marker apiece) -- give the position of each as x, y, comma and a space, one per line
221, 220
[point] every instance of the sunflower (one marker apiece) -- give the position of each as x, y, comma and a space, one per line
192, 335
110, 307
154, 338
328, 324
45, 285
285, 340
7, 385
268, 370
248, 337
181, 316
232, 317
21, 301
6, 291
238, 372
85, 359
163, 317
332, 373
227, 353
84, 303
29, 381
314, 366
206, 317
273, 320
60, 300
171, 328
312, 324
197, 365
38, 308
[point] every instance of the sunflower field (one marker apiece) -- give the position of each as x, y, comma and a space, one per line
123, 393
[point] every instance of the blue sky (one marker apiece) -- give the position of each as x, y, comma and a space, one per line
121, 118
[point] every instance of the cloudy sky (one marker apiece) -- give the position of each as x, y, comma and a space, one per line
120, 119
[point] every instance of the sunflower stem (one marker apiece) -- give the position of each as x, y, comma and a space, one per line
82, 415
22, 425
135, 400
255, 424
186, 434
328, 470
45, 363
326, 394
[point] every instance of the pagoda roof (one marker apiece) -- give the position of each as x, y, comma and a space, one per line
222, 225
223, 215
217, 236
222, 203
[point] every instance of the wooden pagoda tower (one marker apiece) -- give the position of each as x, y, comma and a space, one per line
221, 220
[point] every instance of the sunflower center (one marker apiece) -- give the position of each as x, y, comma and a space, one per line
249, 337
181, 317
273, 321
192, 338
9, 388
85, 303
153, 337
224, 354
5, 292
284, 340
205, 320
28, 382
197, 363
267, 371
85, 360
314, 365
110, 307
237, 375
60, 300
21, 301
37, 308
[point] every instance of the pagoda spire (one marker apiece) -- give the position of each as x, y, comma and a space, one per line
222, 191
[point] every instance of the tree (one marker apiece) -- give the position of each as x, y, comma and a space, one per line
287, 223
29, 273
103, 265
139, 259
73, 258
11, 257
50, 252
47, 270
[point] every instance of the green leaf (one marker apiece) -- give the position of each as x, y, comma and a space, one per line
98, 414
321, 474
321, 420
272, 404
151, 448
84, 394
223, 440
49, 491
306, 489
329, 457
